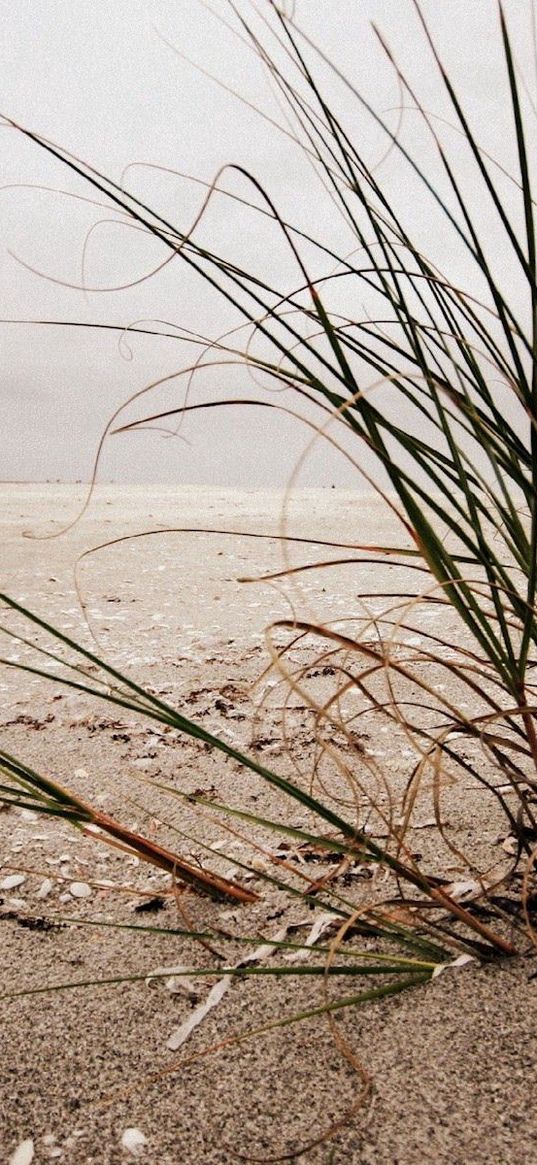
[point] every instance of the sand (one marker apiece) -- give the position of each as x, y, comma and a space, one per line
452, 1063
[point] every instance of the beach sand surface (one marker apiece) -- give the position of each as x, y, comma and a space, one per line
452, 1063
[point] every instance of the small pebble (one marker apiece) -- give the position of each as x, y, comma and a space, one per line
11, 881
80, 890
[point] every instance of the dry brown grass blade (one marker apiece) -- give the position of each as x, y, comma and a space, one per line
202, 880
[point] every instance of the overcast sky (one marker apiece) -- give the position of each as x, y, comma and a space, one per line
109, 81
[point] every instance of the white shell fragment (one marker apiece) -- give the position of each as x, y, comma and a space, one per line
181, 1034
178, 982
462, 961
80, 890
24, 1153
322, 923
45, 888
134, 1142
464, 890
9, 883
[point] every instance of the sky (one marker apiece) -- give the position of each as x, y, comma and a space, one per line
128, 86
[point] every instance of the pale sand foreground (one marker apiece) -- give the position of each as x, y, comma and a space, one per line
453, 1063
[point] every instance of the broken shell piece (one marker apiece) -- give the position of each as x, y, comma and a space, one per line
463, 891
45, 888
134, 1142
24, 1153
80, 890
178, 982
462, 961
178, 985
11, 881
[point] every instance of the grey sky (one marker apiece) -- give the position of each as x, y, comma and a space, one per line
100, 79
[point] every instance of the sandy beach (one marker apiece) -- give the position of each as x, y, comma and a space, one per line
452, 1062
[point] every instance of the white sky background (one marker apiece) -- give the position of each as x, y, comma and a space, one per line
97, 78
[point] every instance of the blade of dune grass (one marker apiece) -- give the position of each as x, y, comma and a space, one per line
423, 970
431, 954
46, 795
